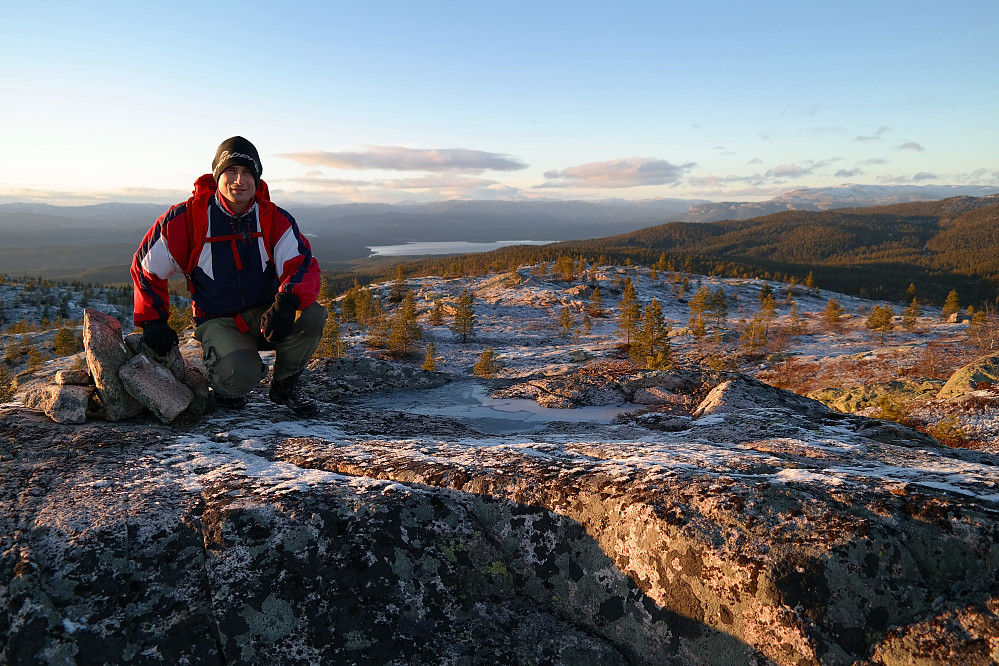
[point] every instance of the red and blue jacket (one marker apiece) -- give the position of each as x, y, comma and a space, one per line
232, 263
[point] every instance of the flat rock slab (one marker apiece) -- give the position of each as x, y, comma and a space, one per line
106, 354
63, 403
77, 377
155, 387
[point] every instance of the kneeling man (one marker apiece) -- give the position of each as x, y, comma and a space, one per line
252, 277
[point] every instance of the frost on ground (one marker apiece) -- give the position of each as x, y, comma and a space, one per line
696, 516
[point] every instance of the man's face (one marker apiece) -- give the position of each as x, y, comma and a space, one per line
237, 185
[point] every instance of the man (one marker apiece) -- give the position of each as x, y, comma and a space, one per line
252, 278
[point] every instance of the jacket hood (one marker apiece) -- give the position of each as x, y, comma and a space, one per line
206, 185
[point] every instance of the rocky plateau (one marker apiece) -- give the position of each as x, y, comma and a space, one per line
723, 522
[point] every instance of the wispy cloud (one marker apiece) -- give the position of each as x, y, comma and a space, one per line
877, 136
912, 145
398, 158
785, 171
435, 185
87, 197
849, 173
805, 111
625, 172
759, 182
829, 129
984, 177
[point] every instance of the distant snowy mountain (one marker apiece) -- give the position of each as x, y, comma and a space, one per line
826, 198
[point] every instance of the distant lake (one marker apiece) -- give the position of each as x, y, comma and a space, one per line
447, 247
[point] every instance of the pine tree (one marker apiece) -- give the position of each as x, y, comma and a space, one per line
405, 329
833, 312
399, 288
718, 307
881, 320
325, 292
911, 314
368, 307
565, 267
565, 322
35, 359
983, 331
437, 314
951, 306
755, 335
487, 365
180, 317
430, 359
651, 348
911, 291
698, 305
796, 324
332, 344
7, 384
629, 312
379, 332
810, 283
596, 305
65, 342
768, 312
463, 324
348, 307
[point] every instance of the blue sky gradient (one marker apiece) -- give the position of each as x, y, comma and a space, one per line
396, 101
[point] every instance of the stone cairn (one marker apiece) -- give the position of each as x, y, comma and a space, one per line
124, 378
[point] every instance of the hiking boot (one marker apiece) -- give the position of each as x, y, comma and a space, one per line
287, 392
229, 401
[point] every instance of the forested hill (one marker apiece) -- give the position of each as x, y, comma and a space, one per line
873, 252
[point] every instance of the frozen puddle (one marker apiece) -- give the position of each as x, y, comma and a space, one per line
471, 404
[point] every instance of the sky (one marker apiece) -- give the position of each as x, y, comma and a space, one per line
400, 101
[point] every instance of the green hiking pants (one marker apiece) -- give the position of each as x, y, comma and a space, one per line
232, 358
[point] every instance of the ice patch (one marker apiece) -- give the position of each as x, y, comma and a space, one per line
804, 476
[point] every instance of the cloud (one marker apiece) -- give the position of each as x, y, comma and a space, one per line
849, 173
829, 129
791, 171
755, 160
800, 110
89, 197
397, 158
874, 137
923, 175
874, 161
911, 145
625, 172
433, 185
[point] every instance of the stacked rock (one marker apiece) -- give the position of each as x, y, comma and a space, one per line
125, 378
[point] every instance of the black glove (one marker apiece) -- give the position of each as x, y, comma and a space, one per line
158, 336
277, 322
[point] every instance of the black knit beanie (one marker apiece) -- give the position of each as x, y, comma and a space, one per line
236, 150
